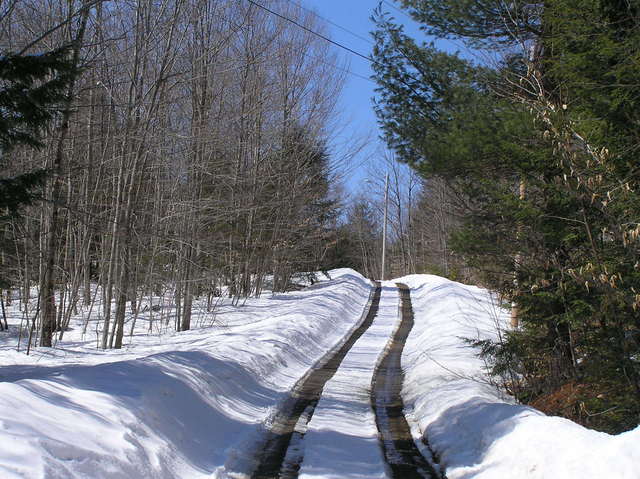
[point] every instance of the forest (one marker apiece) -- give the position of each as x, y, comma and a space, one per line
181, 145
176, 148
183, 149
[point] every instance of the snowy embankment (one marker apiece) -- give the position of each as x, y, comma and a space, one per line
178, 405
477, 432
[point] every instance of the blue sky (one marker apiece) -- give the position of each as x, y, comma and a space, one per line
349, 23
354, 15
356, 104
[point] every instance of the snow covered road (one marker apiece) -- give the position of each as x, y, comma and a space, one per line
404, 458
281, 448
190, 405
342, 438
327, 427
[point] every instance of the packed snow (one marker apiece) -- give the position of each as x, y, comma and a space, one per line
194, 404
343, 426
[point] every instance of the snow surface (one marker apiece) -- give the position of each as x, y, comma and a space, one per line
181, 405
193, 404
478, 432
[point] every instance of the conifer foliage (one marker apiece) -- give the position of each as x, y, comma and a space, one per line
540, 144
32, 88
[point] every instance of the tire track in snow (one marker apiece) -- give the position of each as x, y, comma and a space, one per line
341, 440
290, 421
400, 451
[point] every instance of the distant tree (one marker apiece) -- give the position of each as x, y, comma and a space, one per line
360, 238
305, 211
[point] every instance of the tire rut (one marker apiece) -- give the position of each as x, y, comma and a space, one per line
299, 407
400, 451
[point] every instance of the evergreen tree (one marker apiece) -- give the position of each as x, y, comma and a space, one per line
31, 89
540, 147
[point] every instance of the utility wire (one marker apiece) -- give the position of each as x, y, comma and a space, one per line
333, 65
316, 58
357, 35
346, 70
389, 4
327, 39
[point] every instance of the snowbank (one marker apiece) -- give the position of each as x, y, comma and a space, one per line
477, 432
181, 405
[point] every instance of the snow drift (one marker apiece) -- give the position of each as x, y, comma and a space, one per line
180, 412
478, 432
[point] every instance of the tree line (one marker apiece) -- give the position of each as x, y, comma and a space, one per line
420, 218
152, 147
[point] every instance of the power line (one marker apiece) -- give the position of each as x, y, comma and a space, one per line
327, 39
350, 50
317, 58
389, 4
357, 35
346, 70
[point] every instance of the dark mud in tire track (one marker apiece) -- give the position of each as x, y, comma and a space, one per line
303, 399
400, 451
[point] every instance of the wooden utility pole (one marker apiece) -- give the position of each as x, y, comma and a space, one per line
384, 223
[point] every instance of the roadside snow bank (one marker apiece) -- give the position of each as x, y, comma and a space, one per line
477, 432
176, 408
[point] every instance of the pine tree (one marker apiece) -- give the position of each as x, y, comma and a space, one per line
557, 118
32, 88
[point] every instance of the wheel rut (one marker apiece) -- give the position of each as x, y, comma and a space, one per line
403, 457
276, 459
